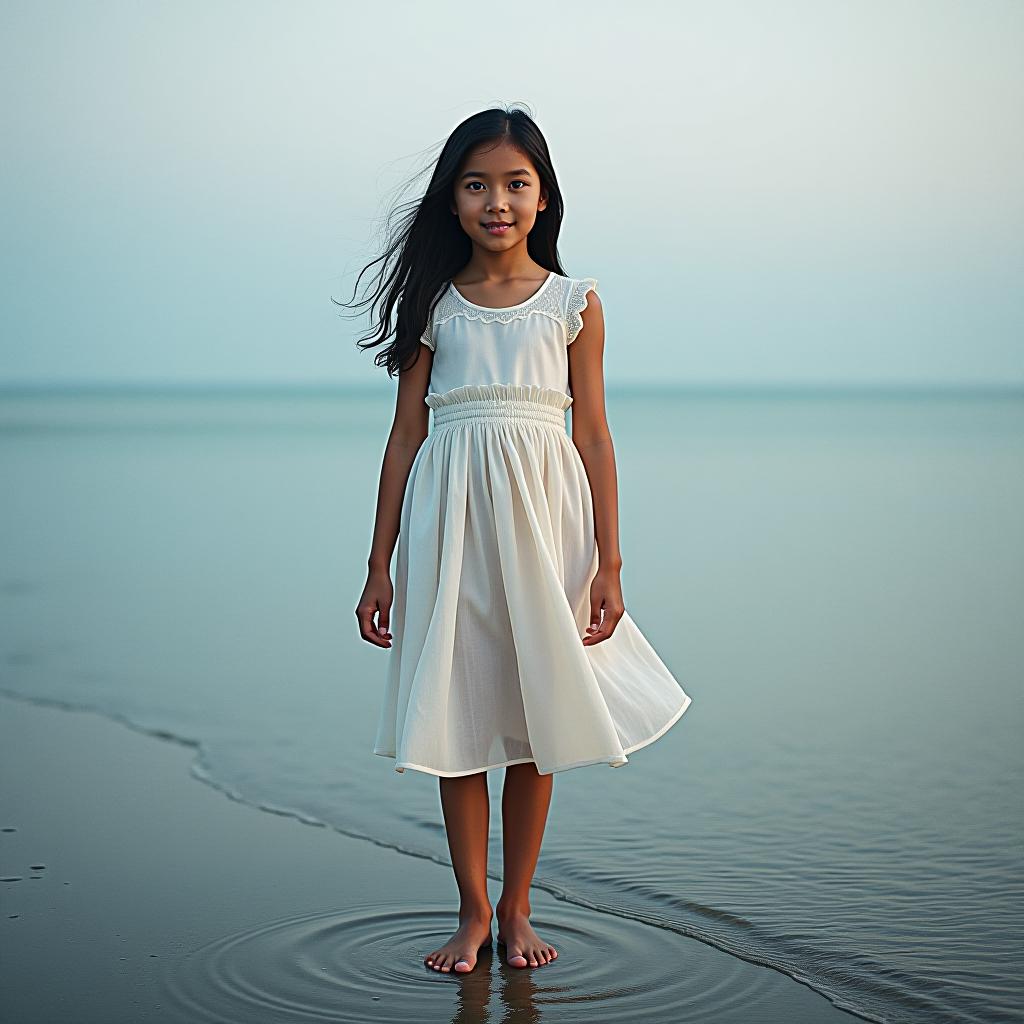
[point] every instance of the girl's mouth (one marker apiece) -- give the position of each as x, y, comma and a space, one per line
497, 229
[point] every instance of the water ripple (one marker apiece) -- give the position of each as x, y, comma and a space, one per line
366, 963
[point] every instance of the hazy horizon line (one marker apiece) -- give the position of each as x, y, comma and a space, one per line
85, 388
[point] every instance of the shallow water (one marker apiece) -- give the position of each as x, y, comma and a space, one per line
257, 918
835, 581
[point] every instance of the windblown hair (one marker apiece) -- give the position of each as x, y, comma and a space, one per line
428, 246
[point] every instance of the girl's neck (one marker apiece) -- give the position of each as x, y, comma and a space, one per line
499, 268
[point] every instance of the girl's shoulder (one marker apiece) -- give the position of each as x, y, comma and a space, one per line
559, 298
576, 291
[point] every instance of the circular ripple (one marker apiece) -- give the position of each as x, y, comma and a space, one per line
365, 963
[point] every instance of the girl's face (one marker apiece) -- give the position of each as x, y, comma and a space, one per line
497, 184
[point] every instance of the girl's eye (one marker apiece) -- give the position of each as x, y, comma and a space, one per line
518, 181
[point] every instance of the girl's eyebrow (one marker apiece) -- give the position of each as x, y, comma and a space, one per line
508, 174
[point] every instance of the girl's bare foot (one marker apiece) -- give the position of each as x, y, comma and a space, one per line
523, 946
459, 952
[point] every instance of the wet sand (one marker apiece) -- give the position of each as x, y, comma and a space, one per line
134, 892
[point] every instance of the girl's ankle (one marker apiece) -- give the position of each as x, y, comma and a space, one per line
476, 913
512, 909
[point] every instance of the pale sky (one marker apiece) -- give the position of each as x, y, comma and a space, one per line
774, 192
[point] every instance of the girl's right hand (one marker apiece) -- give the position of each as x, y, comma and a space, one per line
377, 597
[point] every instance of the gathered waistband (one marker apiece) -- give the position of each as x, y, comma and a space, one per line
482, 402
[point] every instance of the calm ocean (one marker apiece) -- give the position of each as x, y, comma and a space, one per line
836, 580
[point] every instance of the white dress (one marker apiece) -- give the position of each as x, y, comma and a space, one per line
495, 557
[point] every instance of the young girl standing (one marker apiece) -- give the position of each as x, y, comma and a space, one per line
511, 645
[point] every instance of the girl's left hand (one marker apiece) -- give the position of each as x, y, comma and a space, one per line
605, 595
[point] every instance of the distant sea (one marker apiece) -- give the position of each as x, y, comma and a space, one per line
836, 579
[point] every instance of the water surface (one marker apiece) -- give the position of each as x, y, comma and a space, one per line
836, 581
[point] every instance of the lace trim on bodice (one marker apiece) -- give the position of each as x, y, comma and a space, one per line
577, 303
561, 299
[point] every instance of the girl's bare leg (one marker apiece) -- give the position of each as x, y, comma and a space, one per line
525, 799
466, 807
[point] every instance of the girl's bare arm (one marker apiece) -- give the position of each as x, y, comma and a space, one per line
593, 440
408, 431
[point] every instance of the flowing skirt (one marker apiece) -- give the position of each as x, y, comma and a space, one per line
496, 555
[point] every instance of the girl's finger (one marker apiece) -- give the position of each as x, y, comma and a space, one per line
367, 629
606, 627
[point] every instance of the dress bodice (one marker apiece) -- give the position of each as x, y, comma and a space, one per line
525, 344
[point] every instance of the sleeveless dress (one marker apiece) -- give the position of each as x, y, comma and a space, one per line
496, 553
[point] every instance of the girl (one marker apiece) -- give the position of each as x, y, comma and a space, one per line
511, 646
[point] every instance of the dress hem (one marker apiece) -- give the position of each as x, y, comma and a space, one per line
612, 760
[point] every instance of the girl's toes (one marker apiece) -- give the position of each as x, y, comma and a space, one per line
463, 965
515, 957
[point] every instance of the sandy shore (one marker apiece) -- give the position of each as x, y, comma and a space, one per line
133, 892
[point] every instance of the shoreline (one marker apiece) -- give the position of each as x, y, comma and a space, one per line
164, 900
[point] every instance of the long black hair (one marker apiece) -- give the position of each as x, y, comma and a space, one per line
428, 246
